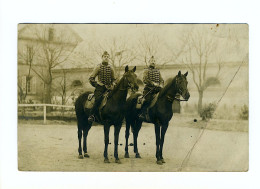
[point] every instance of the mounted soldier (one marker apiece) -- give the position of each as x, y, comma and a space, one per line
106, 79
153, 83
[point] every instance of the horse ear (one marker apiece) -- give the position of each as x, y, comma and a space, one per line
126, 68
186, 74
179, 73
134, 69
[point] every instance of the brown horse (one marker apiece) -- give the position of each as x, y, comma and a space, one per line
112, 113
160, 114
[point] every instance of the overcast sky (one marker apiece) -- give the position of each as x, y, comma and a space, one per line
232, 39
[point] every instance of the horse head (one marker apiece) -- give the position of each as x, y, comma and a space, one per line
130, 79
181, 85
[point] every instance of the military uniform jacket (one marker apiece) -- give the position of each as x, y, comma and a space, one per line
152, 76
105, 73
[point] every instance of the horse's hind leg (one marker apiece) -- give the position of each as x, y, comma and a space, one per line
126, 138
106, 140
135, 133
116, 137
80, 149
85, 134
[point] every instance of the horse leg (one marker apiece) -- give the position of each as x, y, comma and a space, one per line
163, 131
136, 132
116, 137
106, 135
158, 141
80, 149
126, 139
85, 134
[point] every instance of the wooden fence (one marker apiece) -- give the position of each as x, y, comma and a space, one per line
44, 108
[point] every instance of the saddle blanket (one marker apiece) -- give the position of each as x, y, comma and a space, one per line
91, 99
140, 101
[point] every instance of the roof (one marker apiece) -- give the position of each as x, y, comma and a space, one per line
26, 31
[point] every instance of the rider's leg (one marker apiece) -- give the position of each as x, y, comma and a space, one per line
98, 93
146, 103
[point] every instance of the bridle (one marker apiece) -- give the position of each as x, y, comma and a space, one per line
171, 99
129, 85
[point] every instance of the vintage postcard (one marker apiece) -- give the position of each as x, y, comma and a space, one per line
133, 97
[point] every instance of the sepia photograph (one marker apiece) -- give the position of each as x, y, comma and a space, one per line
133, 97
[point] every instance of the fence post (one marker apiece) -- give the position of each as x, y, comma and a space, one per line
44, 114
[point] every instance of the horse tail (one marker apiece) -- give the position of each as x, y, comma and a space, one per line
79, 105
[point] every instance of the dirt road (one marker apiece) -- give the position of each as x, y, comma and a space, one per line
54, 148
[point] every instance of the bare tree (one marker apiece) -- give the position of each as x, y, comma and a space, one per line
152, 45
64, 89
199, 50
121, 53
27, 57
55, 47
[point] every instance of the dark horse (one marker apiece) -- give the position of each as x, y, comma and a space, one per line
160, 114
112, 113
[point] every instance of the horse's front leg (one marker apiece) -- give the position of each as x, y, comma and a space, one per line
158, 141
85, 134
106, 140
163, 131
116, 137
127, 128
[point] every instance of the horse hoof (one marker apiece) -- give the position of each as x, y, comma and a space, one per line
80, 157
118, 161
126, 155
106, 160
137, 155
86, 155
163, 160
159, 162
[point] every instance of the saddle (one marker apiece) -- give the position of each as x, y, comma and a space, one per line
91, 99
140, 101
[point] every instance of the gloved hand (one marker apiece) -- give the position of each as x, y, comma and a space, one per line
157, 88
110, 87
94, 83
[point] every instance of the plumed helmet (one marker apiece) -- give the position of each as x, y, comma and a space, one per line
105, 53
152, 61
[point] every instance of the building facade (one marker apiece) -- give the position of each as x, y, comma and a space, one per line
41, 48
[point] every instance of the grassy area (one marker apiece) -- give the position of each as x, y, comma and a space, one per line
179, 120
213, 124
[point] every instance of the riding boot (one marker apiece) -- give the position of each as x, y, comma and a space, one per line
144, 110
94, 110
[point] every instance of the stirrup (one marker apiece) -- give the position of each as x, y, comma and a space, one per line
91, 118
142, 116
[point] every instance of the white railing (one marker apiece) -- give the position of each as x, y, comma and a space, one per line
44, 108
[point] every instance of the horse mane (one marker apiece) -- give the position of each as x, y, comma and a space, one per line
117, 86
169, 83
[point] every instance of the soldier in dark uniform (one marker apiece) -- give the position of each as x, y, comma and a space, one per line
153, 83
106, 79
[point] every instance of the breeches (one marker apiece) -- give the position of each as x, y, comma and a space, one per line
98, 93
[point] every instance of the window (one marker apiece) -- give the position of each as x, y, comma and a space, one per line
31, 84
29, 87
77, 83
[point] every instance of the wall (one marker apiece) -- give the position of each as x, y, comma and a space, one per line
237, 93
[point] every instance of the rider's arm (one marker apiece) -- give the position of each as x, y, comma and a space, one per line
161, 80
93, 76
113, 74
